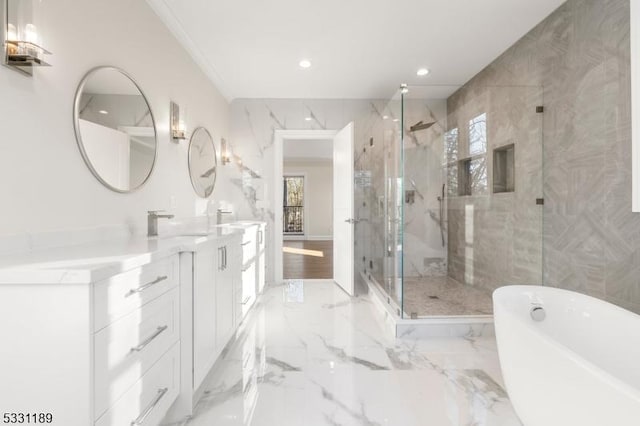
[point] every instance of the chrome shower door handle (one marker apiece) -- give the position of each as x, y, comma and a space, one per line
356, 221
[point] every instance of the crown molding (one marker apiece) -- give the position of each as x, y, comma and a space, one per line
173, 24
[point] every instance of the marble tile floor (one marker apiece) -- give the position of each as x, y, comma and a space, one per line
443, 296
310, 355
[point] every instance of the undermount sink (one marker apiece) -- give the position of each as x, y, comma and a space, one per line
177, 229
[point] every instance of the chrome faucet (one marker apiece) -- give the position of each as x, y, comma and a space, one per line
152, 221
219, 214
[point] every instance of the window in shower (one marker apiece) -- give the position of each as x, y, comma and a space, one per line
478, 174
293, 214
451, 160
472, 171
478, 135
478, 150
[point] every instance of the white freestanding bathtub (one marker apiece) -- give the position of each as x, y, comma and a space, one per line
579, 366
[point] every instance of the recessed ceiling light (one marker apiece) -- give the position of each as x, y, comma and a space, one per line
385, 117
423, 72
305, 63
395, 120
102, 111
308, 119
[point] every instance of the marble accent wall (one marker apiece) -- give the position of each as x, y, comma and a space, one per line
253, 126
579, 55
495, 239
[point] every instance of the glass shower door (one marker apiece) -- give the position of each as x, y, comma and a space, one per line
472, 168
379, 199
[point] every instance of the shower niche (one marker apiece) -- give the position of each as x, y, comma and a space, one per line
504, 171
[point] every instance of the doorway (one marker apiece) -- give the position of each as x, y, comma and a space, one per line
307, 210
305, 205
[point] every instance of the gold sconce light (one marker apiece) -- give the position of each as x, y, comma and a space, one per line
225, 157
21, 41
178, 130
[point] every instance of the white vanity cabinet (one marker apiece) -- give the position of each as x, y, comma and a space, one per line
229, 275
253, 265
119, 334
215, 272
249, 269
262, 257
205, 265
100, 353
209, 272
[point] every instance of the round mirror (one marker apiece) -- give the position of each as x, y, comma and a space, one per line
115, 129
202, 162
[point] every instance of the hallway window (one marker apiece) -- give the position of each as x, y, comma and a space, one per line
293, 205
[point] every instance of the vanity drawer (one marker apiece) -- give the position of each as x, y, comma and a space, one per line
148, 400
248, 250
248, 287
126, 349
124, 293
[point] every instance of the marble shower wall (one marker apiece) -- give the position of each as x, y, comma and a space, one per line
424, 243
579, 55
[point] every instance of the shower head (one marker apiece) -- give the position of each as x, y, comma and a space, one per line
420, 125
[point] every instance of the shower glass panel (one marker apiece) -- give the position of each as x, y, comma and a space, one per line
379, 201
472, 181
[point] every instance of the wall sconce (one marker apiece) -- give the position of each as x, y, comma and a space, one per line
22, 44
178, 130
225, 158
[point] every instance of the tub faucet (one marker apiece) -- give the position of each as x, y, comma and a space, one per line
152, 221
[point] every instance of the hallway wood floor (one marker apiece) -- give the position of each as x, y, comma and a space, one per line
307, 259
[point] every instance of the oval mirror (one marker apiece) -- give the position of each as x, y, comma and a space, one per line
115, 129
202, 162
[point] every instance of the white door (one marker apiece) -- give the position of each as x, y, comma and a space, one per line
343, 220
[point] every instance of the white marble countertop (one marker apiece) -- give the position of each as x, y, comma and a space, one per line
88, 263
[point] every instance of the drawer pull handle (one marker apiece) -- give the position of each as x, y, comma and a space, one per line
246, 300
142, 417
149, 339
245, 244
146, 286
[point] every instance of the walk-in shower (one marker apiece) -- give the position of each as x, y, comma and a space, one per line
451, 199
